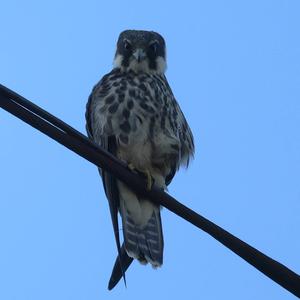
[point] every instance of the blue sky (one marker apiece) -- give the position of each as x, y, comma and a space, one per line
234, 68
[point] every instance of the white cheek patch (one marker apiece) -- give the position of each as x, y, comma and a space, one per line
161, 65
118, 61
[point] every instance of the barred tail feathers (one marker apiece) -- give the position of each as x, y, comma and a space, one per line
142, 228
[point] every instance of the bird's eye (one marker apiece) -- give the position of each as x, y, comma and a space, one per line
153, 46
127, 45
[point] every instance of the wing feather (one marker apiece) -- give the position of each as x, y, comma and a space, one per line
108, 142
182, 131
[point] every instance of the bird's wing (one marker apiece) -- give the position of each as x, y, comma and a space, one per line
119, 269
108, 142
183, 133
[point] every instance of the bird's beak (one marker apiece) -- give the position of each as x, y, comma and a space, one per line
139, 54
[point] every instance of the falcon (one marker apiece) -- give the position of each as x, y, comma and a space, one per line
133, 114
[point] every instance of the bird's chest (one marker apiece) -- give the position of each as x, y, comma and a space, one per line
139, 106
141, 112
135, 110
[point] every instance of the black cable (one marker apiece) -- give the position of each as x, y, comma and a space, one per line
78, 143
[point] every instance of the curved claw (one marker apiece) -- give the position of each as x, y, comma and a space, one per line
144, 172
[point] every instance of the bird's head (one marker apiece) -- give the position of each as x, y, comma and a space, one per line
141, 51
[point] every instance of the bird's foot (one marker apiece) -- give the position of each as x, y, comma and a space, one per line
144, 172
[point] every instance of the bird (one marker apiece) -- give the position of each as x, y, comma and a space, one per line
133, 114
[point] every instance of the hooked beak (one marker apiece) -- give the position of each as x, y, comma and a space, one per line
139, 54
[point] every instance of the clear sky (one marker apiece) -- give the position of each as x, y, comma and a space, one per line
234, 68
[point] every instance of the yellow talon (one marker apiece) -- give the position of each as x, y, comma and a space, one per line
149, 179
131, 167
146, 173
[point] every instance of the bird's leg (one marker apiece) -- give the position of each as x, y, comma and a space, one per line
149, 179
144, 172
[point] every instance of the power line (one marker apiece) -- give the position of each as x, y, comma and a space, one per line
80, 144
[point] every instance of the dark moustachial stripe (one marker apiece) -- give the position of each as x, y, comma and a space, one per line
152, 64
